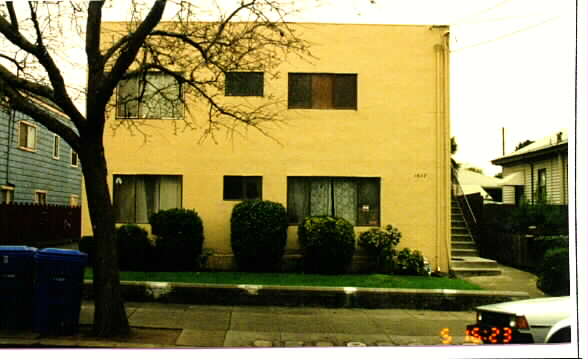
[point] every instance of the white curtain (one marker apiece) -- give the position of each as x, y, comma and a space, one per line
345, 200
170, 192
320, 197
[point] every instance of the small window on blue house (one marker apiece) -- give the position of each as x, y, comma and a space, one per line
27, 136
56, 144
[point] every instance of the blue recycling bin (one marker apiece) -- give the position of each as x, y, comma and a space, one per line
58, 290
16, 286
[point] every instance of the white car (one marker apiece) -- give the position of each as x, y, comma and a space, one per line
525, 321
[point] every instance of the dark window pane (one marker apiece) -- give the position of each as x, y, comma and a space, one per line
253, 187
124, 198
345, 91
368, 202
298, 199
244, 84
299, 91
233, 188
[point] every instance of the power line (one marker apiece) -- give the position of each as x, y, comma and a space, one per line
502, 37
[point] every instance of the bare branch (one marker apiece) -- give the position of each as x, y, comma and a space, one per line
61, 96
22, 84
93, 32
12, 13
23, 104
130, 49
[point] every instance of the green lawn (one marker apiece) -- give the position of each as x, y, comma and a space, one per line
363, 280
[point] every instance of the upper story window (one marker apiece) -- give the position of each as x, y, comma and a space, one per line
244, 84
56, 144
322, 91
27, 136
74, 159
150, 96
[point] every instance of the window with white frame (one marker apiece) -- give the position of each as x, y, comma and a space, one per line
27, 136
74, 158
56, 146
7, 193
137, 197
153, 95
41, 197
354, 199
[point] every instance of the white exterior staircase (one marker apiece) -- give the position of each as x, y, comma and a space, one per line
465, 259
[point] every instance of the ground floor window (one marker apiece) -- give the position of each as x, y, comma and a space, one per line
7, 195
355, 199
242, 188
136, 197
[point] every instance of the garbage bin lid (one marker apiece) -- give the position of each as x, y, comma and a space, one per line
61, 255
12, 249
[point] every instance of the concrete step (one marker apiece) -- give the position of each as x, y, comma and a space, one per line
461, 237
459, 230
472, 262
464, 252
463, 245
464, 272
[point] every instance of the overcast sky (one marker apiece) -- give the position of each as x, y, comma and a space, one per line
512, 63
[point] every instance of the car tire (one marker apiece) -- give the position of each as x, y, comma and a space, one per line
562, 336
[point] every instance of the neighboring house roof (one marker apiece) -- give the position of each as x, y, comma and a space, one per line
468, 177
552, 143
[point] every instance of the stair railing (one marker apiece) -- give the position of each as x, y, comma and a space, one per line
462, 198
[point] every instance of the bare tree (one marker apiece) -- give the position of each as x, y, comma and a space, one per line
146, 44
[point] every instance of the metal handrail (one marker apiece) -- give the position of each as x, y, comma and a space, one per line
460, 191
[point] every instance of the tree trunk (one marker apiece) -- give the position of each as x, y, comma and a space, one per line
110, 318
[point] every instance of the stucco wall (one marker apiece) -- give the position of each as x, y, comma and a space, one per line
399, 133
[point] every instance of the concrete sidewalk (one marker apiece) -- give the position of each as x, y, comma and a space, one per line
188, 325
204, 326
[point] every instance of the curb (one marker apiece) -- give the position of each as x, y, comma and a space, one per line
333, 297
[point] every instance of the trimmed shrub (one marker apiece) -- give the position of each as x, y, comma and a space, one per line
327, 243
379, 244
179, 237
554, 274
259, 230
133, 248
410, 262
88, 246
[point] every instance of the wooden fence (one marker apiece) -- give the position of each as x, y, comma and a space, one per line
38, 225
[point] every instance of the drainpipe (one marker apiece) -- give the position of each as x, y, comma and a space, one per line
532, 183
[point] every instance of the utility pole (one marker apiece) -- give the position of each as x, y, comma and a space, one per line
503, 142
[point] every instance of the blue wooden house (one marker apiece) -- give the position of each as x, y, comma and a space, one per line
36, 165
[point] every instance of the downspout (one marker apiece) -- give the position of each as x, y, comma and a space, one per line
532, 184
441, 123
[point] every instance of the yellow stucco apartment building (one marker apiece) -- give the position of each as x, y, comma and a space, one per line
373, 149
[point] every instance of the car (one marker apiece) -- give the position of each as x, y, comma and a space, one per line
561, 332
528, 321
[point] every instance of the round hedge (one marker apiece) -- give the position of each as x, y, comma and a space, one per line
259, 231
179, 238
328, 244
133, 247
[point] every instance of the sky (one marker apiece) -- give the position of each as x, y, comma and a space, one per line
512, 63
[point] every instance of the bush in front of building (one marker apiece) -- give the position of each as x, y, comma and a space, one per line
327, 243
259, 230
179, 237
410, 262
133, 248
554, 273
379, 244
